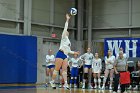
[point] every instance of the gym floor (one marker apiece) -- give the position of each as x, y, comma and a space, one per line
43, 89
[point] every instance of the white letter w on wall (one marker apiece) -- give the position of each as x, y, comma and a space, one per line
114, 45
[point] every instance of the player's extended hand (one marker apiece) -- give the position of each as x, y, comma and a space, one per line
77, 53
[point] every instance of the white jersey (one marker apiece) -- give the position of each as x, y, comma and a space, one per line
50, 60
109, 62
65, 42
88, 58
74, 62
97, 65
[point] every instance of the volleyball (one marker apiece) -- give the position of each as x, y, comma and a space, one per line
73, 11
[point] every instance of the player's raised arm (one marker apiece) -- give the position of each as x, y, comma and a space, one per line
65, 32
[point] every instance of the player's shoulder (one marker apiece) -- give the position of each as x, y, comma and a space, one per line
47, 55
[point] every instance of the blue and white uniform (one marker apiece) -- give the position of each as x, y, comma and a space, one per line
50, 61
97, 65
65, 45
74, 69
88, 58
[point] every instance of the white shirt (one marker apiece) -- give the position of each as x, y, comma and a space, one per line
65, 42
97, 63
50, 60
111, 59
74, 62
88, 58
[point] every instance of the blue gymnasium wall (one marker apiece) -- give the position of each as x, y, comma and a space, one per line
18, 59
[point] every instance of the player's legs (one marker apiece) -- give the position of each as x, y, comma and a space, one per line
75, 78
99, 80
58, 64
90, 77
47, 76
105, 78
111, 78
72, 76
64, 72
85, 76
95, 80
61, 78
51, 71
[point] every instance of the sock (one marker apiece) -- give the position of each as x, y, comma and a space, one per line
95, 82
99, 81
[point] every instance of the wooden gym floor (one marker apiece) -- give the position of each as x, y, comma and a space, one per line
42, 89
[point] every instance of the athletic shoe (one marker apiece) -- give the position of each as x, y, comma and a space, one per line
103, 87
75, 86
95, 86
66, 86
60, 85
99, 87
53, 84
90, 87
130, 87
83, 87
119, 87
110, 88
135, 88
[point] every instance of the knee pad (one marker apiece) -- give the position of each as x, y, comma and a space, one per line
85, 75
72, 78
99, 80
55, 72
75, 78
95, 80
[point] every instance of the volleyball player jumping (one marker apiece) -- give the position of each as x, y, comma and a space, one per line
61, 56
